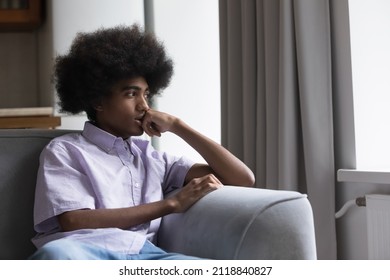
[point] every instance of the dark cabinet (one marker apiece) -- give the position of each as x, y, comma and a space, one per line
20, 15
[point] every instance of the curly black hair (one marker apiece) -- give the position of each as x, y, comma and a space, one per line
97, 60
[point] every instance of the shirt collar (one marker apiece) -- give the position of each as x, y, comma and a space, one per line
102, 138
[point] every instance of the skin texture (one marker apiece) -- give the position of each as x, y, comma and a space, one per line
124, 113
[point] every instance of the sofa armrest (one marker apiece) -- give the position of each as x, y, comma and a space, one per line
243, 223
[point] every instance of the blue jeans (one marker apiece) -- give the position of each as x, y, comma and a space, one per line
64, 249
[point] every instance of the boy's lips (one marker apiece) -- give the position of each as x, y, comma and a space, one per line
139, 119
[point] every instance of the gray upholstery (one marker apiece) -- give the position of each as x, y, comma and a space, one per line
243, 223
230, 223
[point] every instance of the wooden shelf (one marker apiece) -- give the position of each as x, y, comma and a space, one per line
26, 111
30, 122
25, 19
35, 117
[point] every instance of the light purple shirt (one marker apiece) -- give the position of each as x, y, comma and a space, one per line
94, 170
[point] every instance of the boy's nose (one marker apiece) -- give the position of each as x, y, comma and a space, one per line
143, 104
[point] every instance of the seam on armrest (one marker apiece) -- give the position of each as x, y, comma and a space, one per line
254, 216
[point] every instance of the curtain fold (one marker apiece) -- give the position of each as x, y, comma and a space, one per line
286, 87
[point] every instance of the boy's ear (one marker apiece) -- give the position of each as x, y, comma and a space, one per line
98, 106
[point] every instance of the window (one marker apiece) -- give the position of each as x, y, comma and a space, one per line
370, 45
190, 31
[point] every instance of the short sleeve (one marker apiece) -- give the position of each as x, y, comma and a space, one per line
176, 171
171, 170
61, 186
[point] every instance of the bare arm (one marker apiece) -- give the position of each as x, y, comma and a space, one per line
228, 168
200, 180
125, 218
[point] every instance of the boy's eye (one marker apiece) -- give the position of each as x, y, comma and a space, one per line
135, 93
131, 93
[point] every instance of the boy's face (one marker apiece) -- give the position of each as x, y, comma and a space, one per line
121, 113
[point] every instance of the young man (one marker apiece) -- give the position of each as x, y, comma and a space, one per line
100, 193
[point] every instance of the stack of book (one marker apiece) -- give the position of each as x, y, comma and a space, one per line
35, 117
13, 4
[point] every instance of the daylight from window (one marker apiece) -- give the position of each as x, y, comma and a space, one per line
370, 46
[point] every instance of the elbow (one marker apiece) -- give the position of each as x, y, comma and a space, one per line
65, 223
68, 221
246, 179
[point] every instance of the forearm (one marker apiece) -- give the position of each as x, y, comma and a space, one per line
123, 218
228, 168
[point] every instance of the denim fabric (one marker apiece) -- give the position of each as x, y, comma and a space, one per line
63, 249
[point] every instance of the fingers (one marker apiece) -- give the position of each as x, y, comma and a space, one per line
150, 127
195, 190
206, 183
155, 122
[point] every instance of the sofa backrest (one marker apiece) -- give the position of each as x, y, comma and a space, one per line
19, 161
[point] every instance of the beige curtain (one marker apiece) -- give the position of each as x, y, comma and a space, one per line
287, 98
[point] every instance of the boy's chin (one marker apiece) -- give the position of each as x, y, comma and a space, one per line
140, 132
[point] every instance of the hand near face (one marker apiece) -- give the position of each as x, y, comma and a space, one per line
154, 122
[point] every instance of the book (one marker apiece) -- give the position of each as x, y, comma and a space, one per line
25, 112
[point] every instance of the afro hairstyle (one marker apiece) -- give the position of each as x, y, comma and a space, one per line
98, 60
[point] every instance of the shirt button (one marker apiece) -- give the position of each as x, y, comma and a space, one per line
136, 185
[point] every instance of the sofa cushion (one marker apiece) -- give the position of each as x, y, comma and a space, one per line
20, 150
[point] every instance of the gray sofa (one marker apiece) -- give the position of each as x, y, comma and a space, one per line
230, 223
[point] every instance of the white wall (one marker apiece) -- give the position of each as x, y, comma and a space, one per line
66, 18
370, 40
190, 31
72, 16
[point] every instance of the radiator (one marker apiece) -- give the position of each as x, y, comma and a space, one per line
378, 226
